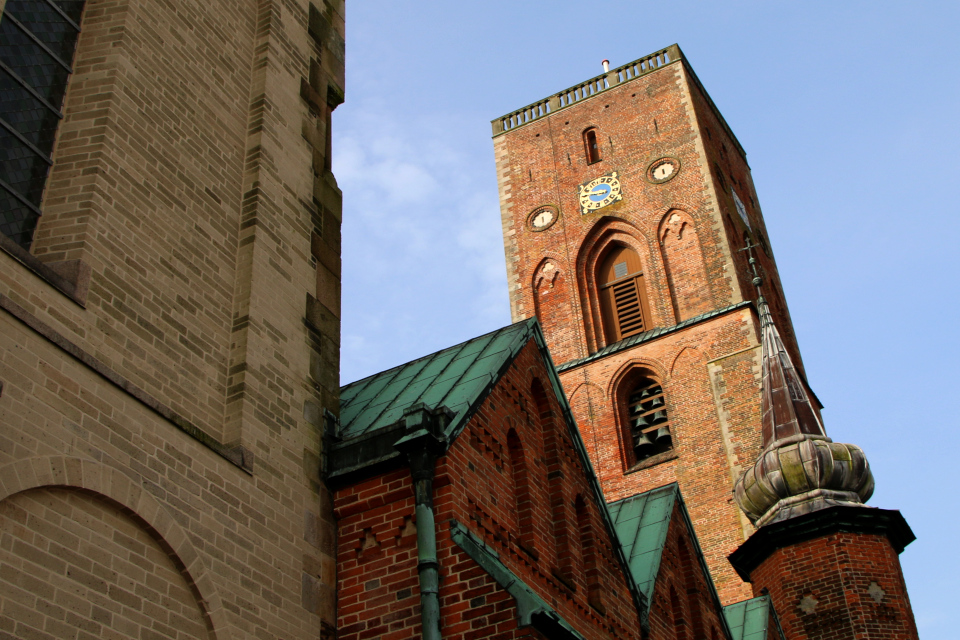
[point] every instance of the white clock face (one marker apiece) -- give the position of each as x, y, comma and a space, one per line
742, 210
662, 170
599, 193
542, 218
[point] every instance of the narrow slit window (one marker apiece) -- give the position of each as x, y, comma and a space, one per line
590, 145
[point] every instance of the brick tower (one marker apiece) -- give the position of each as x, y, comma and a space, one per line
625, 203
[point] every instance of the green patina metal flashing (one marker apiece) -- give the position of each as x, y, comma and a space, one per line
653, 334
455, 381
641, 523
750, 620
532, 610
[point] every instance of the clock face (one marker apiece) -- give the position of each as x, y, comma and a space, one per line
742, 210
542, 218
662, 170
599, 193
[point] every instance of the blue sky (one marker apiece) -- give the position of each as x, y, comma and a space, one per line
848, 112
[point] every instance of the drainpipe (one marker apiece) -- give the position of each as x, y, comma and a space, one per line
422, 443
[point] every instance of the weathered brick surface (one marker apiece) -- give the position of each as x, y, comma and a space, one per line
191, 177
688, 235
709, 375
838, 587
682, 605
476, 485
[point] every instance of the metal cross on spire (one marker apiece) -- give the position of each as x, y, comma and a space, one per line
762, 308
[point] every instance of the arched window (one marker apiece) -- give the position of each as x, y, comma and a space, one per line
38, 40
649, 424
554, 480
523, 495
590, 145
623, 294
676, 610
588, 552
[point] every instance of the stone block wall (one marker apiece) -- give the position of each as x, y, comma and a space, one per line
175, 332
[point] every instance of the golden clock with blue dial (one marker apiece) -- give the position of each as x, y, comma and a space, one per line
599, 193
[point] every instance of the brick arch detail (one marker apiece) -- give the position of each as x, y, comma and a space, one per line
106, 482
553, 299
608, 232
686, 349
590, 430
627, 367
684, 264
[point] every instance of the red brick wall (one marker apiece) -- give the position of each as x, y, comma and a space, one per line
822, 590
543, 163
689, 614
722, 156
377, 585
709, 375
687, 234
377, 578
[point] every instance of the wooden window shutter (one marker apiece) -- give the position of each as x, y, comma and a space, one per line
622, 295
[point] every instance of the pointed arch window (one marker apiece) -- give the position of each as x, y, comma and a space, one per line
37, 42
649, 423
523, 495
589, 554
623, 294
591, 145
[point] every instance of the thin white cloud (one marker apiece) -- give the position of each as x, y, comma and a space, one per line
423, 256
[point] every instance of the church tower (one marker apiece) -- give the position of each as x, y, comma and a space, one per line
626, 203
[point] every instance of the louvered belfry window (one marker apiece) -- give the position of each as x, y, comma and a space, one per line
623, 296
649, 423
37, 42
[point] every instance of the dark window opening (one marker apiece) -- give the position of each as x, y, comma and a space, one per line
649, 423
590, 146
37, 42
523, 496
720, 178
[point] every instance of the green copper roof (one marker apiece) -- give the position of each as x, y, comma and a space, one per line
652, 334
457, 378
453, 382
750, 620
641, 523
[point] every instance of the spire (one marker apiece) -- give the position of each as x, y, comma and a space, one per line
786, 408
800, 469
